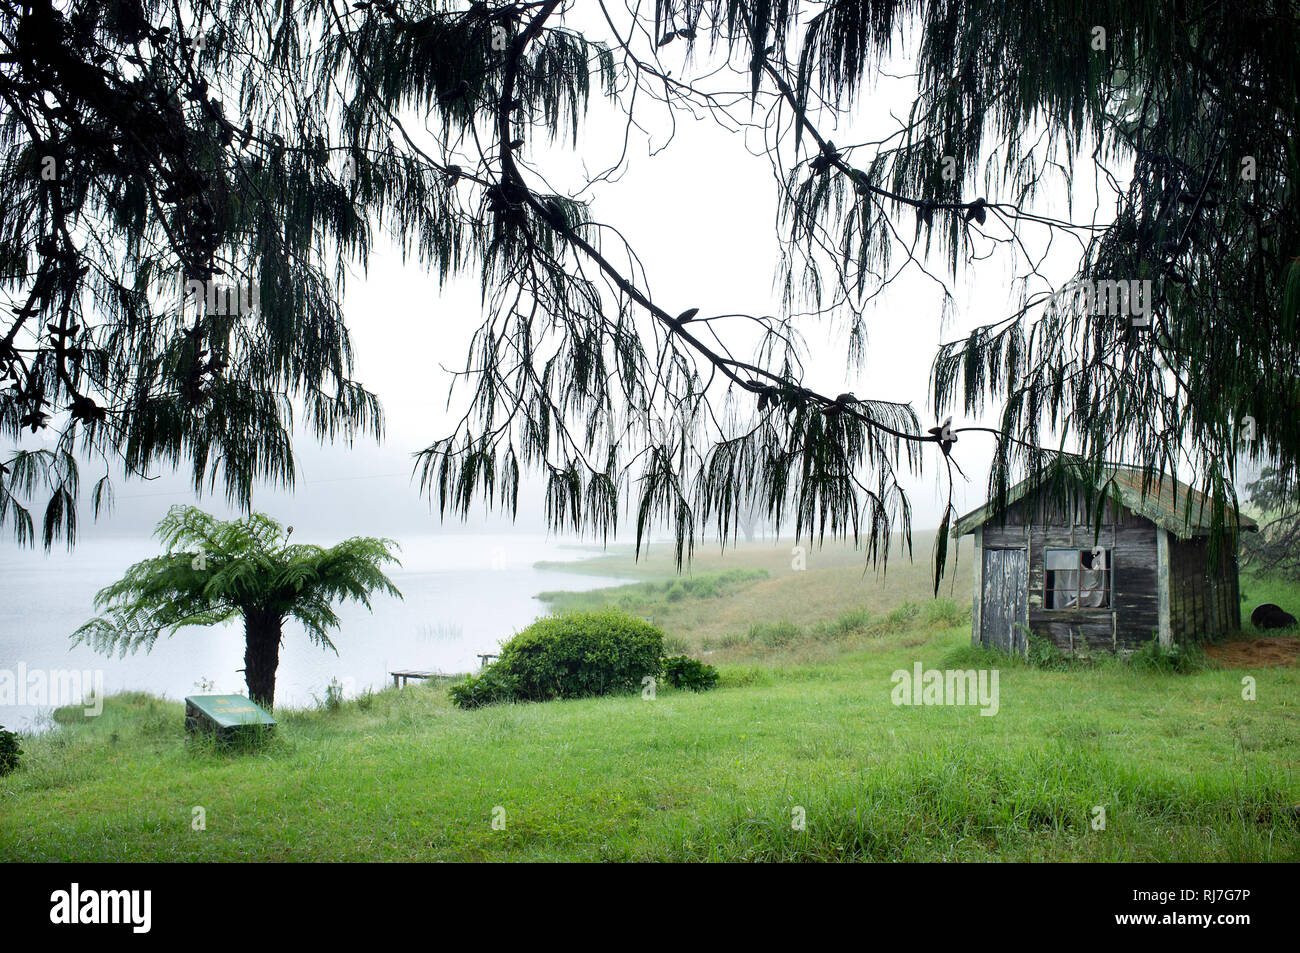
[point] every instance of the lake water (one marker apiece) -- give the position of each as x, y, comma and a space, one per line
462, 594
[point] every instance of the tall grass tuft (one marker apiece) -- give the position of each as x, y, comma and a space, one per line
1177, 659
899, 618
946, 613
852, 622
774, 634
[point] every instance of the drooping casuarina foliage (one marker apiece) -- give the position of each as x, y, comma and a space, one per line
1275, 549
265, 144
215, 570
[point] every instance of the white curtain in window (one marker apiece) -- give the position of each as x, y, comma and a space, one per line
1092, 579
1064, 566
1092, 586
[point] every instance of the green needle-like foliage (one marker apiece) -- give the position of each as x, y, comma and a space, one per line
146, 143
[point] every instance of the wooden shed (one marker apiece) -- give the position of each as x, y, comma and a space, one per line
1043, 566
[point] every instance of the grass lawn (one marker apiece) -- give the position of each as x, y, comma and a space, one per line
1183, 766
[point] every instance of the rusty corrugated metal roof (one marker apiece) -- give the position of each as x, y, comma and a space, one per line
1168, 503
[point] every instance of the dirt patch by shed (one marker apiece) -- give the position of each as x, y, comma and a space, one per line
1254, 653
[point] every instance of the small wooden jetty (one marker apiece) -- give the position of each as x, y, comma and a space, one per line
400, 678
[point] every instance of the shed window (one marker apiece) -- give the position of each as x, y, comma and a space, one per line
1077, 579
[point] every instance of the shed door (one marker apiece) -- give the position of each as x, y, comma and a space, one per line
1003, 609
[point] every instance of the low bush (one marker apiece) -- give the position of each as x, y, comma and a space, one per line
489, 687
682, 671
571, 655
1041, 652
11, 752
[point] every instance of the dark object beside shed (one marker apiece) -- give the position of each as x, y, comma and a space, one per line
226, 716
1270, 616
1139, 572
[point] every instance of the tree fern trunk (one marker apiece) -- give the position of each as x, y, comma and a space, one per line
261, 655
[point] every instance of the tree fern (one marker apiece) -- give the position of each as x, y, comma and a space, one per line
215, 570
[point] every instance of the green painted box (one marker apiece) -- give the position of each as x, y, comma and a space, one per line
226, 716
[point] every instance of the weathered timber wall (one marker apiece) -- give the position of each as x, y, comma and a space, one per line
1204, 600
1133, 617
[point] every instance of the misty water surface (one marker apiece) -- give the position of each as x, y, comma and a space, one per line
463, 594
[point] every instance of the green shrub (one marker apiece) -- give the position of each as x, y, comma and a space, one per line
677, 592
682, 671
489, 687
1041, 652
571, 655
11, 752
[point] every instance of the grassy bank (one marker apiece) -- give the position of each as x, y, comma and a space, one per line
1185, 769
736, 604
